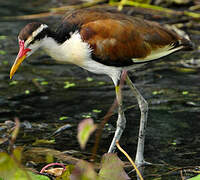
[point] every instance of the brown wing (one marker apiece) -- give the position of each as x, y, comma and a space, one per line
117, 42
117, 38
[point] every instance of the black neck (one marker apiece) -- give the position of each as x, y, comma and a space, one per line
63, 32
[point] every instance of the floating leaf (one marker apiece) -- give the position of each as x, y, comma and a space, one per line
157, 92
185, 93
27, 91
68, 84
101, 83
5, 62
43, 83
2, 37
85, 129
13, 83
43, 141
112, 168
88, 115
173, 143
96, 111
2, 52
63, 118
89, 79
39, 79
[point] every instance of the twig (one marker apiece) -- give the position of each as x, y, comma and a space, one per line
14, 135
79, 6
53, 164
100, 129
158, 8
131, 161
54, 11
31, 16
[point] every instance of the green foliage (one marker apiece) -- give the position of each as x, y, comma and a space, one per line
88, 115
13, 83
11, 169
2, 52
43, 83
157, 92
89, 79
84, 171
63, 118
68, 84
96, 111
185, 93
43, 141
66, 175
2, 37
27, 91
101, 83
146, 4
85, 129
112, 168
5, 62
195, 178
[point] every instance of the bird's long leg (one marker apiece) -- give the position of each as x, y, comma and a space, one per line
121, 121
143, 105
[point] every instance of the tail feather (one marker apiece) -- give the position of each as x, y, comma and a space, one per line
187, 44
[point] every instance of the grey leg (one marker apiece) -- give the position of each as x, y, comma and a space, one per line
143, 105
121, 121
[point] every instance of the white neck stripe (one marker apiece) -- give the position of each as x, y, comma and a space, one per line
35, 33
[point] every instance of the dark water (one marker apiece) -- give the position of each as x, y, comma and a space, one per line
38, 98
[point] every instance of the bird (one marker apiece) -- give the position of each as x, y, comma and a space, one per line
108, 43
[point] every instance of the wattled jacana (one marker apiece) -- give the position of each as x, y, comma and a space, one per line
104, 43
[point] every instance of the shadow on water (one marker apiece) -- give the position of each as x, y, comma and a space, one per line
38, 96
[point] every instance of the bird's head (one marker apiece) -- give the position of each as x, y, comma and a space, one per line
30, 39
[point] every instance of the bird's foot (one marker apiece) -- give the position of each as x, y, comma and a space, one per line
142, 163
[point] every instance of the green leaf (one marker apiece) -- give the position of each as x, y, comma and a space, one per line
2, 52
27, 91
112, 168
37, 177
84, 171
13, 83
43, 141
96, 111
157, 92
88, 115
43, 83
10, 168
195, 178
2, 37
89, 79
185, 93
63, 118
5, 62
68, 84
101, 83
85, 129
